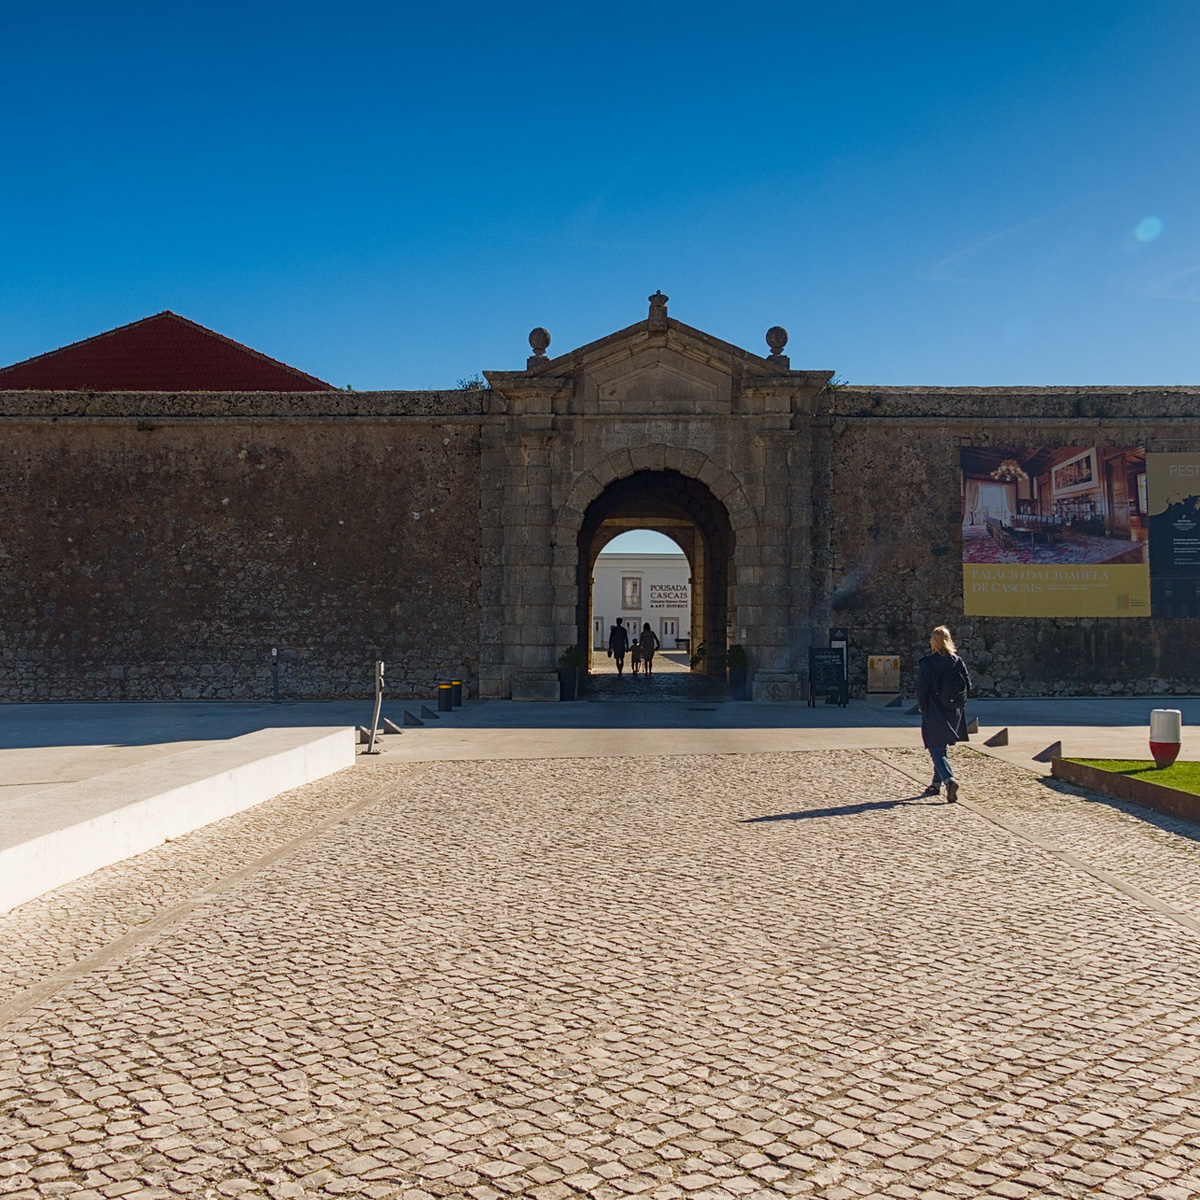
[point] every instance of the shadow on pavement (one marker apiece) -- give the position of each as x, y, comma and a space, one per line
846, 810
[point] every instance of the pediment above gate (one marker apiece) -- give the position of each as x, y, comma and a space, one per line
659, 366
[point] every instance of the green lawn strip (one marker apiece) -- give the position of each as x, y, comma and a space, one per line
1183, 776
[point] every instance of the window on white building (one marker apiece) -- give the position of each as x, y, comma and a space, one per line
631, 593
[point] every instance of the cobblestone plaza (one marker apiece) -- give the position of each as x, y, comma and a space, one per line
776, 974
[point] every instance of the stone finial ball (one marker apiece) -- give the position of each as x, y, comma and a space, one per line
777, 338
539, 339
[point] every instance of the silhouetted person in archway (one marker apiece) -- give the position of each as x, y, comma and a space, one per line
618, 644
650, 643
635, 655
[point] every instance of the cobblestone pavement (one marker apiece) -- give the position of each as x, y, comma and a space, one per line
742, 975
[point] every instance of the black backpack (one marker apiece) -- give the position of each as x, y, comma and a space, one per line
951, 690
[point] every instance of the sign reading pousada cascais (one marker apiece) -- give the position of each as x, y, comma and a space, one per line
1055, 531
668, 595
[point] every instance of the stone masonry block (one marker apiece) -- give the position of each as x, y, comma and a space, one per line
604, 472
538, 594
639, 456
538, 658
567, 522
658, 457
741, 518
586, 488
775, 635
725, 487
777, 593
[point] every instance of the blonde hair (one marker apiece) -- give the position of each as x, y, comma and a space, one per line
941, 641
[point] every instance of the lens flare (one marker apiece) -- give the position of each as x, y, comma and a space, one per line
1148, 228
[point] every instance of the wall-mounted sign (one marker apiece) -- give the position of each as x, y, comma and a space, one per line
1055, 531
669, 595
1174, 503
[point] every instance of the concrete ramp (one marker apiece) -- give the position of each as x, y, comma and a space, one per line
62, 832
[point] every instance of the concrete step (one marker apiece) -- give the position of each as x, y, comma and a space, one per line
668, 686
65, 831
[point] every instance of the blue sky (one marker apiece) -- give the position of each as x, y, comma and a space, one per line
390, 196
641, 541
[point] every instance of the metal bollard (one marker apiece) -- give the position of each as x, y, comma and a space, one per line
456, 691
445, 697
274, 675
374, 730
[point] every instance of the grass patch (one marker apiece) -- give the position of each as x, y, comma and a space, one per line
1183, 776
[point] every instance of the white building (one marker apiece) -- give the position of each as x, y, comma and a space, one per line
640, 588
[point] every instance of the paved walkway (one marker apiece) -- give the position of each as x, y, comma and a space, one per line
713, 975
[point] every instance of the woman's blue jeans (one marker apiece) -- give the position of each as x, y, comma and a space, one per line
941, 764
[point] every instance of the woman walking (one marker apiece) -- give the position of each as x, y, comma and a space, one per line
942, 685
650, 643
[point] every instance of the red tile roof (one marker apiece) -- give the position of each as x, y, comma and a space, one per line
163, 353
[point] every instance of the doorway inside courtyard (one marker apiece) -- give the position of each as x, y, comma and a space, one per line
681, 593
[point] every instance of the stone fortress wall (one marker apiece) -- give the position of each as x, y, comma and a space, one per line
896, 569
158, 545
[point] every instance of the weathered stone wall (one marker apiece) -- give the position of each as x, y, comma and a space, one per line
895, 518
158, 546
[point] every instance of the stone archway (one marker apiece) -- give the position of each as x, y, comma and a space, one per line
656, 397
665, 498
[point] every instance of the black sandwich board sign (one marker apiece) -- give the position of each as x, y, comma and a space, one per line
827, 676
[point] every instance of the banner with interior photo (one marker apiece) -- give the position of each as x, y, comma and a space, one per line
1055, 532
1174, 508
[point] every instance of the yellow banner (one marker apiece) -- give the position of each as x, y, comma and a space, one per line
1066, 590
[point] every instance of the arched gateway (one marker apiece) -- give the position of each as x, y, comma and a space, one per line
656, 426
684, 509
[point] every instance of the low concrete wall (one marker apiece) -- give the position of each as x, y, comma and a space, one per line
1142, 792
61, 833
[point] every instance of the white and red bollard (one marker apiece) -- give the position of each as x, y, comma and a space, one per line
1165, 727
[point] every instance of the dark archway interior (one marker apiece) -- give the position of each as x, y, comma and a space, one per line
686, 511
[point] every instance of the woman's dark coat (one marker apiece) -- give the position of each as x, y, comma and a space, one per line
940, 725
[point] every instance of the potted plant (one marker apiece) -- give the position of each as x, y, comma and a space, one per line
570, 663
736, 661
